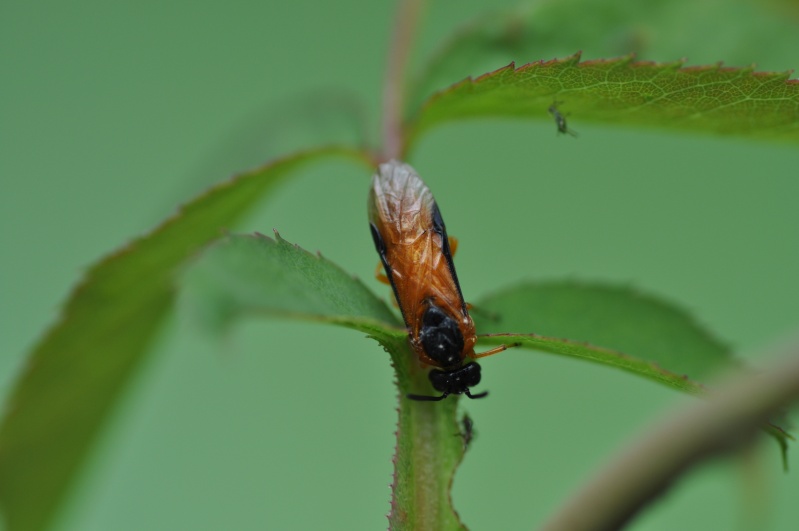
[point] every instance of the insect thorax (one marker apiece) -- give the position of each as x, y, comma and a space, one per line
440, 337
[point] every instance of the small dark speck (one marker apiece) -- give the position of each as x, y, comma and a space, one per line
560, 119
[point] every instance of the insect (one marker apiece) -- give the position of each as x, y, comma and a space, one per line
468, 430
560, 120
416, 254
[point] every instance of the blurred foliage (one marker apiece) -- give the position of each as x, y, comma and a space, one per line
81, 366
743, 32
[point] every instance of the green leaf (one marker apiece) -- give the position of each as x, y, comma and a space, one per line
617, 318
614, 326
709, 99
79, 369
744, 33
257, 275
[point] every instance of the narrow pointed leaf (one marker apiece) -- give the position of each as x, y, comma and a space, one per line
614, 326
79, 369
708, 99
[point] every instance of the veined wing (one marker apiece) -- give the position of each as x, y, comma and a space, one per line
415, 249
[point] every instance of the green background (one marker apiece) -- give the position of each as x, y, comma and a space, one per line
111, 114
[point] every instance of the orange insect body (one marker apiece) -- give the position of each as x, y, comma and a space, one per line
412, 241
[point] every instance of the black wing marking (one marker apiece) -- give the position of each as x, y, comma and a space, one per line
441, 230
380, 245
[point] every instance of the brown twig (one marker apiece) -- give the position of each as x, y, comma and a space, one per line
408, 12
647, 467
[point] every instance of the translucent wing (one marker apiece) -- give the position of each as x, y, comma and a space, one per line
412, 241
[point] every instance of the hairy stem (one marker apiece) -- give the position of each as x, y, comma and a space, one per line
405, 24
648, 466
428, 451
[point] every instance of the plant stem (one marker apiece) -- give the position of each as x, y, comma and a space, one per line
428, 451
424, 468
646, 468
405, 24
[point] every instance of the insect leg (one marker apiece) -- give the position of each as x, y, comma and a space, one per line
453, 246
426, 398
380, 275
488, 314
496, 350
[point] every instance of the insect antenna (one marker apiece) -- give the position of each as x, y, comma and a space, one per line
496, 350
482, 312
